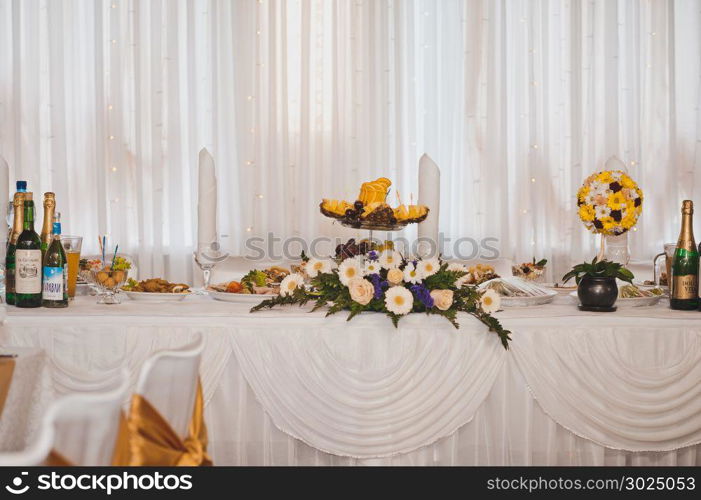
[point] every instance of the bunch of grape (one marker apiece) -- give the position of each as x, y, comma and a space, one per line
351, 248
352, 215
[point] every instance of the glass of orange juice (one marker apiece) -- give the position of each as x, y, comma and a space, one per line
72, 246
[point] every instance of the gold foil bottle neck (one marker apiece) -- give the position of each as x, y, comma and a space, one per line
18, 200
49, 199
28, 196
687, 207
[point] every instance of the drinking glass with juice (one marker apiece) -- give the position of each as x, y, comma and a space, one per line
72, 246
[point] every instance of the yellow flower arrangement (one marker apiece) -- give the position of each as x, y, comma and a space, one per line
609, 202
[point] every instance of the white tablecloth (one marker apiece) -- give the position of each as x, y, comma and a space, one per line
288, 387
26, 399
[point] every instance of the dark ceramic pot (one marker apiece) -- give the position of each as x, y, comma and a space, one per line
595, 291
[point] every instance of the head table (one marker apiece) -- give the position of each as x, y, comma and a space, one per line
290, 387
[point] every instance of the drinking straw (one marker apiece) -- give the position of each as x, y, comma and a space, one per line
114, 257
104, 245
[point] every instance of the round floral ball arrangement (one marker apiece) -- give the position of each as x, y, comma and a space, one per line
609, 202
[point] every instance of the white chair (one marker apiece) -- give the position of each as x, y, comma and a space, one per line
82, 428
168, 381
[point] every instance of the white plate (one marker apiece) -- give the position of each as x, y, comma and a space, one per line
630, 302
156, 297
246, 298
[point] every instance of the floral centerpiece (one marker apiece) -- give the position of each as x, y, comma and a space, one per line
609, 202
388, 283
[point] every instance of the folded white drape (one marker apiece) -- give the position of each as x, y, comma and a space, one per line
635, 389
365, 390
372, 393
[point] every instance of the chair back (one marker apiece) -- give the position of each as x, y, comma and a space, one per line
81, 427
168, 381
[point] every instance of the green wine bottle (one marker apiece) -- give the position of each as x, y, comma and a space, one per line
28, 260
17, 228
684, 285
54, 291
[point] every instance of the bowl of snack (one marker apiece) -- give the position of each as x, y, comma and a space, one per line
107, 281
253, 287
156, 290
531, 271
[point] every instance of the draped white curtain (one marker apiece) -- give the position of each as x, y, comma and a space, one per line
107, 103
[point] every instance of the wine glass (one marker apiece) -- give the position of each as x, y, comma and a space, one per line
206, 259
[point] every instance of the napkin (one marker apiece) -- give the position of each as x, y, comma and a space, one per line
614, 163
4, 195
429, 195
206, 202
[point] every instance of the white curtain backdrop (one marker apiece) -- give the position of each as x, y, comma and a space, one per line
108, 102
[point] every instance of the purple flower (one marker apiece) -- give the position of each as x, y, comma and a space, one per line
379, 284
423, 294
372, 255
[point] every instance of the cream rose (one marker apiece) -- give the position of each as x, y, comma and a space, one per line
442, 299
361, 290
395, 276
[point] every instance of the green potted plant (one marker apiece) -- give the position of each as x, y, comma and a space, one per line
596, 283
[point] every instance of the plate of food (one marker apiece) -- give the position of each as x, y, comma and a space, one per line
517, 292
634, 296
480, 273
156, 290
255, 286
560, 287
531, 271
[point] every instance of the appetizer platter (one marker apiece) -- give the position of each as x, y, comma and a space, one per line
156, 290
252, 287
634, 296
371, 210
531, 271
517, 292
480, 273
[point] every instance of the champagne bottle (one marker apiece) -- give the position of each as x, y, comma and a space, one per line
28, 260
21, 188
17, 228
54, 291
684, 286
49, 207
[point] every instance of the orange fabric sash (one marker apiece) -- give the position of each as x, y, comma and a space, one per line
7, 368
152, 441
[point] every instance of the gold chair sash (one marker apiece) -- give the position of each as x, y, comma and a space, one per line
55, 459
7, 368
154, 443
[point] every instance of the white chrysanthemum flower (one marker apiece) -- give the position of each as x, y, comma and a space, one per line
372, 267
428, 267
349, 269
411, 274
616, 175
291, 283
315, 266
389, 259
490, 301
597, 187
399, 300
589, 199
602, 211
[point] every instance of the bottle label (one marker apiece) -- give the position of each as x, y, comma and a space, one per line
27, 271
685, 287
54, 283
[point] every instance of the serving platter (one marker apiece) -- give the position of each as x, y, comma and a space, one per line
244, 298
630, 301
156, 297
